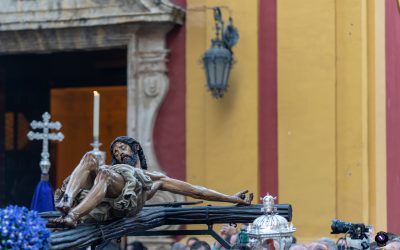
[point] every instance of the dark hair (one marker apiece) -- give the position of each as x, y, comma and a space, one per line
237, 247
191, 238
132, 143
200, 244
137, 245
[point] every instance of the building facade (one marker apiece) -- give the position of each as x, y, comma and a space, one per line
311, 115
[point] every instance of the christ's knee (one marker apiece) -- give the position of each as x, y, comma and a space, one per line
103, 176
113, 182
90, 162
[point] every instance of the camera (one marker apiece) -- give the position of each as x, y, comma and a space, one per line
358, 234
356, 231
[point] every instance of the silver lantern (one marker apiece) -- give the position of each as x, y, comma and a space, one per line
270, 226
218, 59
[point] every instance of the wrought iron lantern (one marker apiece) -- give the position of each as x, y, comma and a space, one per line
218, 59
270, 226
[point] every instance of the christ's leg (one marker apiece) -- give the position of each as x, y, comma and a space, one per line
82, 177
107, 184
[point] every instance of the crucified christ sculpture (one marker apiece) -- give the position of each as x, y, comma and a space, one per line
100, 193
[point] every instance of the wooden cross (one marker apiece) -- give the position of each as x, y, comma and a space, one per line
46, 125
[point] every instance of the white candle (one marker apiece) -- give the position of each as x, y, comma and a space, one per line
96, 113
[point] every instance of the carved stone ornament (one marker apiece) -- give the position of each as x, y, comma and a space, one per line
147, 87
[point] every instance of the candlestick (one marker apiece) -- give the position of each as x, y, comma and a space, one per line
101, 155
96, 114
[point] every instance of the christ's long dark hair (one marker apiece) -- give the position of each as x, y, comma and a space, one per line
132, 143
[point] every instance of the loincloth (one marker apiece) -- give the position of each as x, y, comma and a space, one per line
130, 202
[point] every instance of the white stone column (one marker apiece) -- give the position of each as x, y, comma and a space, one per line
147, 87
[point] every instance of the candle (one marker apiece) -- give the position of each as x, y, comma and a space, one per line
96, 114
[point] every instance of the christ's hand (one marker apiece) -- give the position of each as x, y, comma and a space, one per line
242, 198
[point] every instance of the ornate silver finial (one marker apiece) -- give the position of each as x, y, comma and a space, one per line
270, 226
268, 204
46, 125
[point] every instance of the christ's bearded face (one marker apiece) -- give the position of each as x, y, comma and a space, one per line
124, 154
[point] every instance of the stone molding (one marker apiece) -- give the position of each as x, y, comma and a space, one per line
52, 14
53, 40
44, 26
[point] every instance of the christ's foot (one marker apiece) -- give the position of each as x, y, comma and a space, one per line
68, 221
64, 206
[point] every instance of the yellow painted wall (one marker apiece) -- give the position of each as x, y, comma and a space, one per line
352, 108
330, 111
307, 113
222, 135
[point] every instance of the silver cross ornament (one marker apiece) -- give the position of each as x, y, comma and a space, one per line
46, 125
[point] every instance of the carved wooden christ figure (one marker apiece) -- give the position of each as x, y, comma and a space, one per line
100, 193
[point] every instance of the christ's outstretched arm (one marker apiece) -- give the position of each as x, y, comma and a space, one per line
165, 183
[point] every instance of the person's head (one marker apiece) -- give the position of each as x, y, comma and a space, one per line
137, 245
328, 242
316, 246
237, 247
178, 246
244, 226
297, 247
200, 245
392, 245
191, 241
269, 243
127, 150
393, 236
